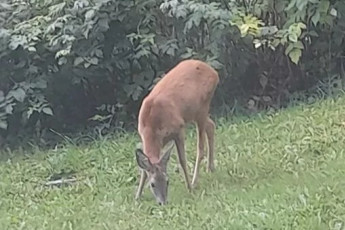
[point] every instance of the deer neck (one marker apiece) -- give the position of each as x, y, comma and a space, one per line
152, 148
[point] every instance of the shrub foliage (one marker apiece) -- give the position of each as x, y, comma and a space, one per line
68, 64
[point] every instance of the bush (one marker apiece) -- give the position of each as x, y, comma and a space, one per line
68, 65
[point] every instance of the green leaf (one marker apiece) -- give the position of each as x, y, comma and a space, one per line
100, 118
333, 12
324, 6
299, 45
32, 49
301, 4
29, 112
3, 124
181, 11
171, 51
99, 53
103, 24
295, 55
89, 15
244, 29
40, 84
47, 111
188, 26
215, 64
94, 61
19, 94
257, 43
329, 20
316, 18
280, 6
289, 48
273, 44
301, 25
78, 60
9, 109
293, 37
56, 9
61, 53
87, 65
263, 81
62, 61
136, 93
291, 4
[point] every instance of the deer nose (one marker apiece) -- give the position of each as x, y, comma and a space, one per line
162, 202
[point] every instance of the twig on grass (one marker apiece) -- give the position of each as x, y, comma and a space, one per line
61, 181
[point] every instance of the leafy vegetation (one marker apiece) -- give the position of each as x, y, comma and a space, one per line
278, 171
67, 65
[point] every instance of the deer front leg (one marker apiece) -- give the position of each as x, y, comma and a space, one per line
143, 177
179, 141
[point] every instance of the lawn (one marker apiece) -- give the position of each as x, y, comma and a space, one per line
279, 171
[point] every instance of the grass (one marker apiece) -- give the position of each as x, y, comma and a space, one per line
280, 171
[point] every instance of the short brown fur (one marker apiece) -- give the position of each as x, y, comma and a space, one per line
182, 96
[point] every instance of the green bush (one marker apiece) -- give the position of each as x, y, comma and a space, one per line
67, 65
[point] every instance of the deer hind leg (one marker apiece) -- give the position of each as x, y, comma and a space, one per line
200, 152
143, 177
210, 130
179, 141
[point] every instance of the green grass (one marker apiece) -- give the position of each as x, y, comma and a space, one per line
283, 171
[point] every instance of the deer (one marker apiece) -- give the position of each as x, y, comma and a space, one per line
181, 97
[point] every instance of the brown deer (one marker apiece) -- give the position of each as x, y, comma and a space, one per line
182, 96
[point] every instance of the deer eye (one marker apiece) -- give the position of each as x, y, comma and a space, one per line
152, 185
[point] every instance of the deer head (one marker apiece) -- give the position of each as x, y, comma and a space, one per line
157, 174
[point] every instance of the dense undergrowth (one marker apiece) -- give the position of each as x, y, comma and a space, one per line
73, 65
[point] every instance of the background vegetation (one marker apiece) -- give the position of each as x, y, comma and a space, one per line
85, 64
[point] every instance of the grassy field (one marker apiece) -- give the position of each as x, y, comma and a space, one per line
282, 171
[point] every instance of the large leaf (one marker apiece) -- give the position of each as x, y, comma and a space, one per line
19, 94
289, 48
299, 45
291, 4
295, 55
89, 15
78, 60
47, 111
9, 109
316, 18
293, 37
301, 4
94, 61
3, 124
324, 6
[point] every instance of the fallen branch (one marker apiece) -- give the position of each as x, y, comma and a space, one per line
61, 181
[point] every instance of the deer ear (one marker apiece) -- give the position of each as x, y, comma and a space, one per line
142, 160
166, 156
